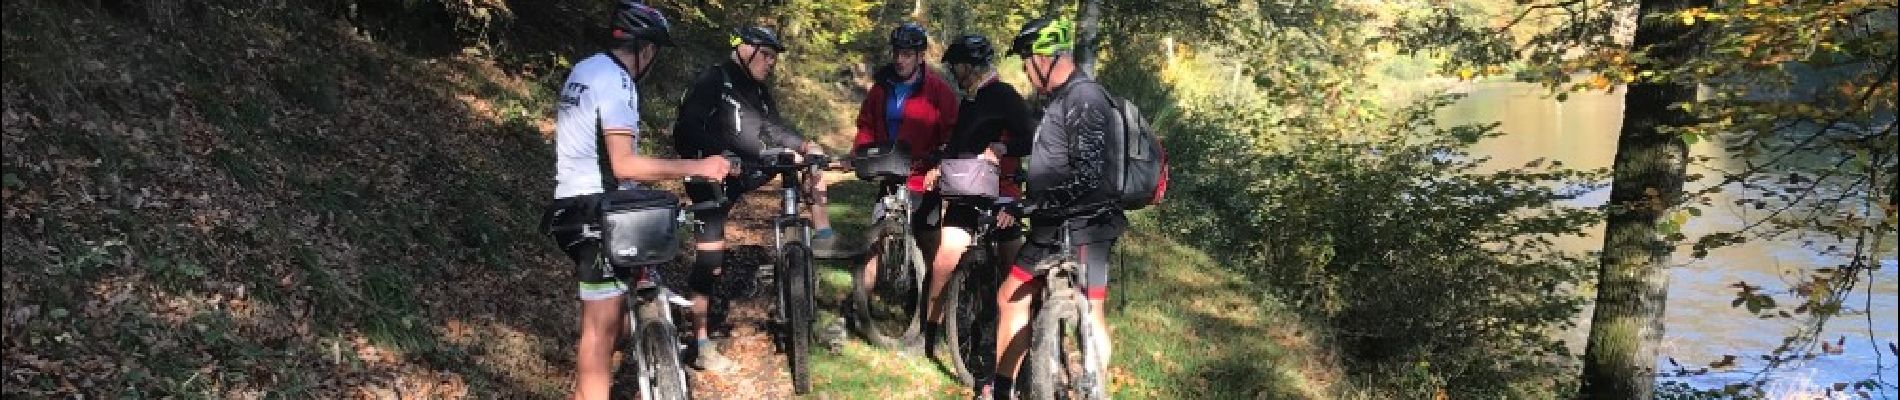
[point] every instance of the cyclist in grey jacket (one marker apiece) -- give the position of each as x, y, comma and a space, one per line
1065, 189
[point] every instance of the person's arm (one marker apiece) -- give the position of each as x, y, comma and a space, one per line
868, 117
937, 134
1019, 127
1086, 130
783, 135
619, 122
630, 166
946, 101
775, 127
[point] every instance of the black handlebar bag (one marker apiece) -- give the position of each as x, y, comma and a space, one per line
639, 226
881, 162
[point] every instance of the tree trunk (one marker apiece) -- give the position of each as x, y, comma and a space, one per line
1646, 184
1052, 7
1089, 35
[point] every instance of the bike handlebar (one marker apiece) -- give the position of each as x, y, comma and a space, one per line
781, 160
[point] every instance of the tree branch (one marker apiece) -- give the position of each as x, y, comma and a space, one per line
1528, 10
1887, 76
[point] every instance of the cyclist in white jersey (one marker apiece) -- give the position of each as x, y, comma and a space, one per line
596, 132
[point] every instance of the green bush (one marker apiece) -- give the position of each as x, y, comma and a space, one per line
1431, 275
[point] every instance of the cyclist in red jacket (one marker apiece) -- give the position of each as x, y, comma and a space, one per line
914, 107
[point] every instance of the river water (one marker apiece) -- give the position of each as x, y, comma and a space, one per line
1701, 326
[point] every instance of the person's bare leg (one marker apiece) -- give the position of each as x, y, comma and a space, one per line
1096, 307
1012, 338
820, 196
600, 326
869, 272
702, 307
952, 242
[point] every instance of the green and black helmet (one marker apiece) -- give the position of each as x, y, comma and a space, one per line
1043, 36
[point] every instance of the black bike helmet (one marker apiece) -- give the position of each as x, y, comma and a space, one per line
635, 21
909, 36
757, 36
969, 49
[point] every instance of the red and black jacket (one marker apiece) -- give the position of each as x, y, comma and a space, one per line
929, 113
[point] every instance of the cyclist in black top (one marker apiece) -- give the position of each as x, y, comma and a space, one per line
991, 124
728, 108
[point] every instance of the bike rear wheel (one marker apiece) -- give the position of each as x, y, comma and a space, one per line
660, 350
795, 301
886, 307
970, 326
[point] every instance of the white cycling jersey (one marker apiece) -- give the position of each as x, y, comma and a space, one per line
598, 98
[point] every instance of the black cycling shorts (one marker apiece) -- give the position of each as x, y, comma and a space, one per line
1093, 237
966, 214
713, 222
574, 223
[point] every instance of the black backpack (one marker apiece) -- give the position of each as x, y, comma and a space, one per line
1138, 177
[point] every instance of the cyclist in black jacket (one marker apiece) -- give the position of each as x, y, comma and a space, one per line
993, 124
728, 108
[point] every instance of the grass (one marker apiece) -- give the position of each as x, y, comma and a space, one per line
1190, 329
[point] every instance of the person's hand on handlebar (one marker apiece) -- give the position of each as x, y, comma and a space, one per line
992, 153
715, 167
1005, 215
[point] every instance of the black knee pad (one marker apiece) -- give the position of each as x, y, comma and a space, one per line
702, 280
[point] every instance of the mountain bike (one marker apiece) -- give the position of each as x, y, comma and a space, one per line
791, 231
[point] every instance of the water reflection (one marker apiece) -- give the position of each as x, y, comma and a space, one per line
1701, 325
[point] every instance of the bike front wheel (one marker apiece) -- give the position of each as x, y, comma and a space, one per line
970, 304
885, 305
660, 353
795, 298
1064, 355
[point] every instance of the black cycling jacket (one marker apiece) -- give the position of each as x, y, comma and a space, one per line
994, 113
726, 110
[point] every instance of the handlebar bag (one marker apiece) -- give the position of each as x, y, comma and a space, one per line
639, 226
881, 162
967, 177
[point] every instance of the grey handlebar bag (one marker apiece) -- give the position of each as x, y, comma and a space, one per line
639, 226
967, 177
